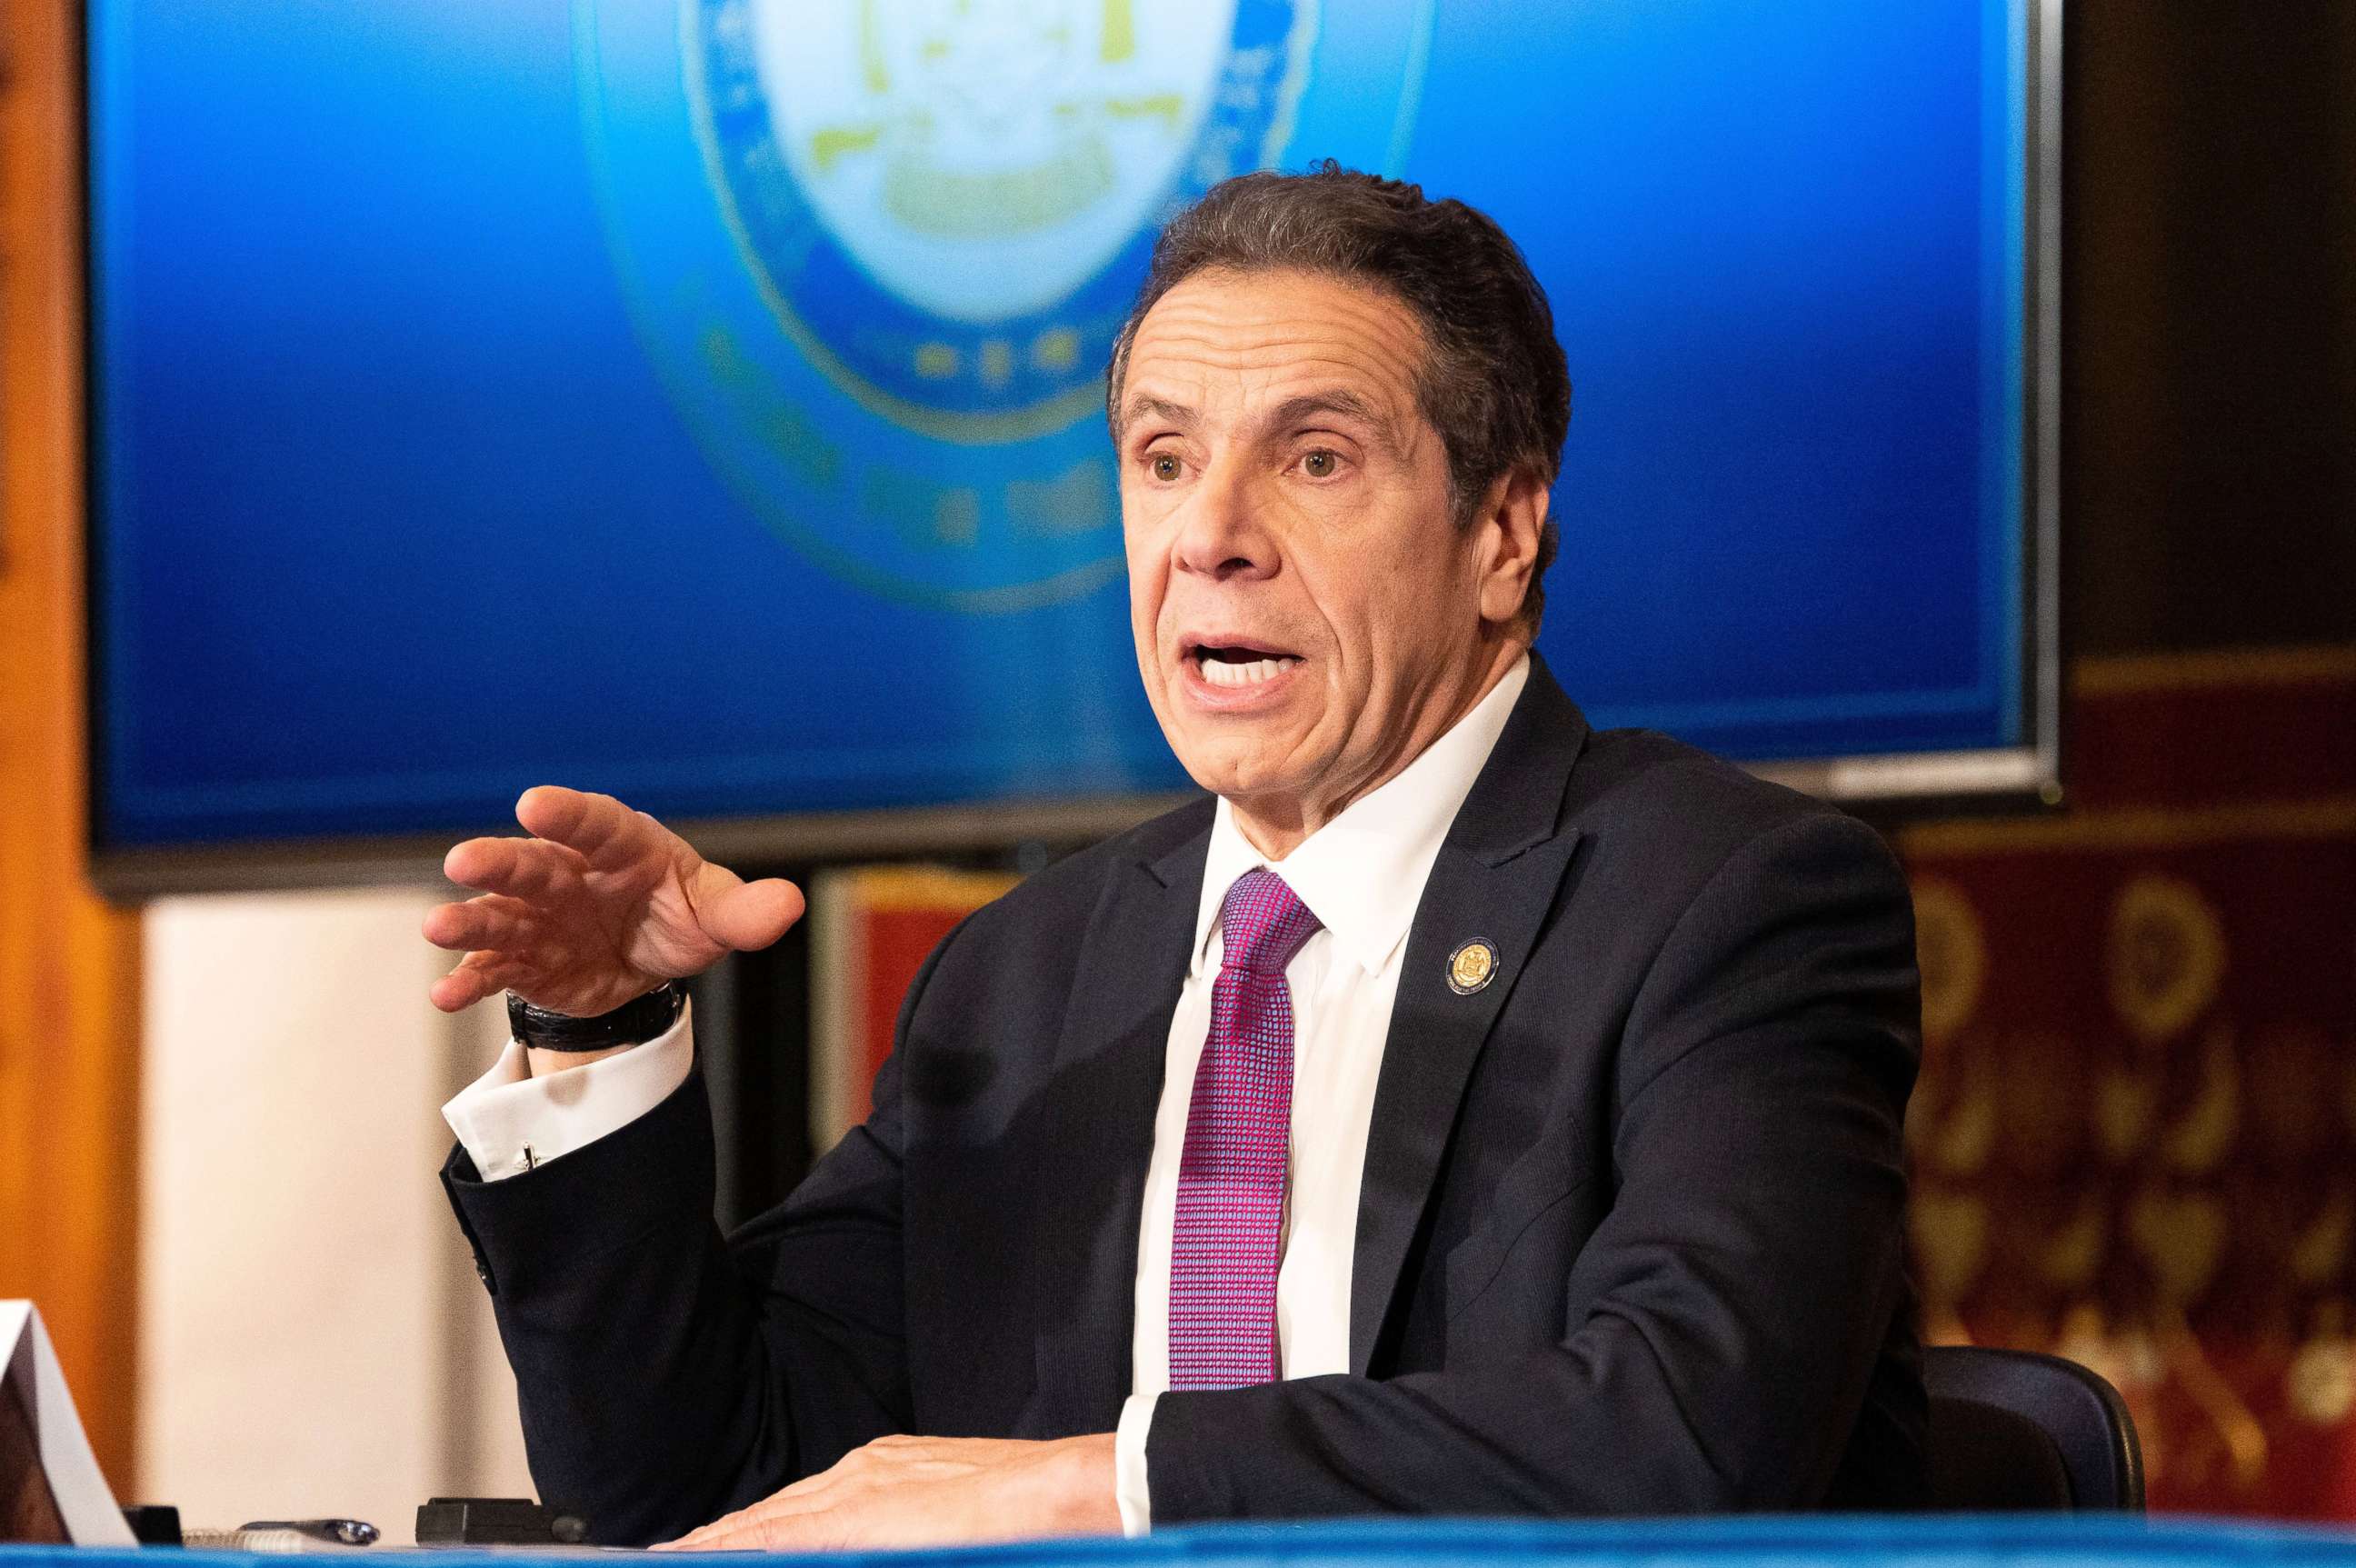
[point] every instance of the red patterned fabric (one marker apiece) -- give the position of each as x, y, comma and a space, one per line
2135, 1140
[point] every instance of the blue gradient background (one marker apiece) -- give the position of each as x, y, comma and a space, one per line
393, 516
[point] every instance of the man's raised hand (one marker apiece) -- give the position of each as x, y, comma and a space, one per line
599, 905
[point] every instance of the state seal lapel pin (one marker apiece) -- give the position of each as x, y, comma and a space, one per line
1472, 966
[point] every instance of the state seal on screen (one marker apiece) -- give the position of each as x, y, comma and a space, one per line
878, 250
947, 204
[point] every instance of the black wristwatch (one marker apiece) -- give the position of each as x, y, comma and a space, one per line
634, 1023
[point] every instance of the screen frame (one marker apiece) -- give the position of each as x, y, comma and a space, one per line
1887, 788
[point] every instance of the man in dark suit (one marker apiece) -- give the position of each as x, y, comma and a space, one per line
1466, 1111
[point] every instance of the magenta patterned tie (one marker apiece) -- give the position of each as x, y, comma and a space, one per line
1229, 1235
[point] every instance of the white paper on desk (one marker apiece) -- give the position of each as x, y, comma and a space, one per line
30, 1366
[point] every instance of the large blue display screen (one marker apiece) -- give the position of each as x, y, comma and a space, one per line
701, 399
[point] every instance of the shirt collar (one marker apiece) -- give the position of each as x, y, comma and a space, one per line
1362, 873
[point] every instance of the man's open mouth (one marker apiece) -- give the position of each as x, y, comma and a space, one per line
1239, 663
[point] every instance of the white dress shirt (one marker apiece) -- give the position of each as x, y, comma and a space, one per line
509, 1122
1361, 875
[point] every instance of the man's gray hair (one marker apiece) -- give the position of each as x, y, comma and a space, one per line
1494, 381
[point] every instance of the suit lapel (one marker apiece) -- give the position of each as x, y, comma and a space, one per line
1493, 881
1097, 1133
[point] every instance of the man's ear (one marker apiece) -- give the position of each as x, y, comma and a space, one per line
1510, 523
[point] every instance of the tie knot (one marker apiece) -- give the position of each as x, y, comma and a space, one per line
1262, 923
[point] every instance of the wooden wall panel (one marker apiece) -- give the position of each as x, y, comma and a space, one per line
68, 963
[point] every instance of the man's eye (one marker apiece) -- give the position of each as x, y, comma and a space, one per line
1163, 464
1320, 464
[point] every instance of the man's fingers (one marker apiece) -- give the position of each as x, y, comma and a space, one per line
529, 869
779, 1524
480, 974
702, 1535
456, 991
751, 1526
493, 920
607, 834
751, 915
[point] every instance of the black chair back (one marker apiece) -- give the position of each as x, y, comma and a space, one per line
2013, 1431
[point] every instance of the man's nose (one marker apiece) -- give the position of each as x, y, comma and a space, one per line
1223, 535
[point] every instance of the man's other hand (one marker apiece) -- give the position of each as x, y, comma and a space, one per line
599, 905
932, 1491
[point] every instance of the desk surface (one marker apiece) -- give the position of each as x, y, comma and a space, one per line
1945, 1542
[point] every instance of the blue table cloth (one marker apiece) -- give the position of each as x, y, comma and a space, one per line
1844, 1541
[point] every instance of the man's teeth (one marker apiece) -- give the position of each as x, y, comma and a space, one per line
1219, 672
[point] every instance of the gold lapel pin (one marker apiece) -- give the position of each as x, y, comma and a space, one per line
1472, 966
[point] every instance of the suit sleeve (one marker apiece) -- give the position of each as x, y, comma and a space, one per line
1741, 1282
667, 1376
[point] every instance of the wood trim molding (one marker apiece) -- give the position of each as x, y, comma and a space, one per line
2296, 665
68, 962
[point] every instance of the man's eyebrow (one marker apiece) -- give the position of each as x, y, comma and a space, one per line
1341, 400
1139, 408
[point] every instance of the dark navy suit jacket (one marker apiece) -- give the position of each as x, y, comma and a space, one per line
1629, 1238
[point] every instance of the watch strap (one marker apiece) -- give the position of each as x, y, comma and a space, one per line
634, 1023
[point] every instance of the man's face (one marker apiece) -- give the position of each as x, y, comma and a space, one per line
1308, 613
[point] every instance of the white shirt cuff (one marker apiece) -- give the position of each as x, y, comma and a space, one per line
1129, 1463
510, 1122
